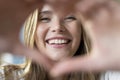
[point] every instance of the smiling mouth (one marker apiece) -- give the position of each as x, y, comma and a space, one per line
58, 41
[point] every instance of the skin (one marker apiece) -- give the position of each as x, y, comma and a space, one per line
12, 17
52, 26
101, 20
105, 48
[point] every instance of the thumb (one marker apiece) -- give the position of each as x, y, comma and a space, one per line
81, 63
34, 55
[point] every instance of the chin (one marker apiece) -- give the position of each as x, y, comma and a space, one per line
57, 58
58, 55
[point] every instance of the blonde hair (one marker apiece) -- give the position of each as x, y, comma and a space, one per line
19, 71
33, 71
37, 72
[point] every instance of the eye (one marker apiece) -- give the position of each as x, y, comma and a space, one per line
45, 20
70, 18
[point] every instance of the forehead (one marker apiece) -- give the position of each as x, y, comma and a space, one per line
46, 8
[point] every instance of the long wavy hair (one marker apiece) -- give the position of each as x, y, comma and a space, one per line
33, 71
37, 72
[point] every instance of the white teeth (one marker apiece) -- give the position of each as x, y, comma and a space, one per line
57, 41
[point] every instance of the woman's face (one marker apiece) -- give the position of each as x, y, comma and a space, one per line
58, 36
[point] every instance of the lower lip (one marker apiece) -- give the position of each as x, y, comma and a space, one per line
58, 46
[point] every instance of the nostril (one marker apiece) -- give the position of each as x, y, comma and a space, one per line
58, 30
62, 30
53, 30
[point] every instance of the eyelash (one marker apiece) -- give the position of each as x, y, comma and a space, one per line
45, 20
68, 19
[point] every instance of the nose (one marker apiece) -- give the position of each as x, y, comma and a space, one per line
58, 27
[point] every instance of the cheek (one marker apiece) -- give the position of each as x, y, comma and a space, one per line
76, 35
75, 30
40, 35
41, 31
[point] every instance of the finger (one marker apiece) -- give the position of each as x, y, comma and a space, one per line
91, 9
37, 3
85, 5
16, 9
64, 8
34, 55
86, 64
17, 48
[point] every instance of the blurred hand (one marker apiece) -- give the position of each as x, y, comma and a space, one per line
12, 16
101, 21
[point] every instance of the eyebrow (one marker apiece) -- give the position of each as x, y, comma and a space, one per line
45, 12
